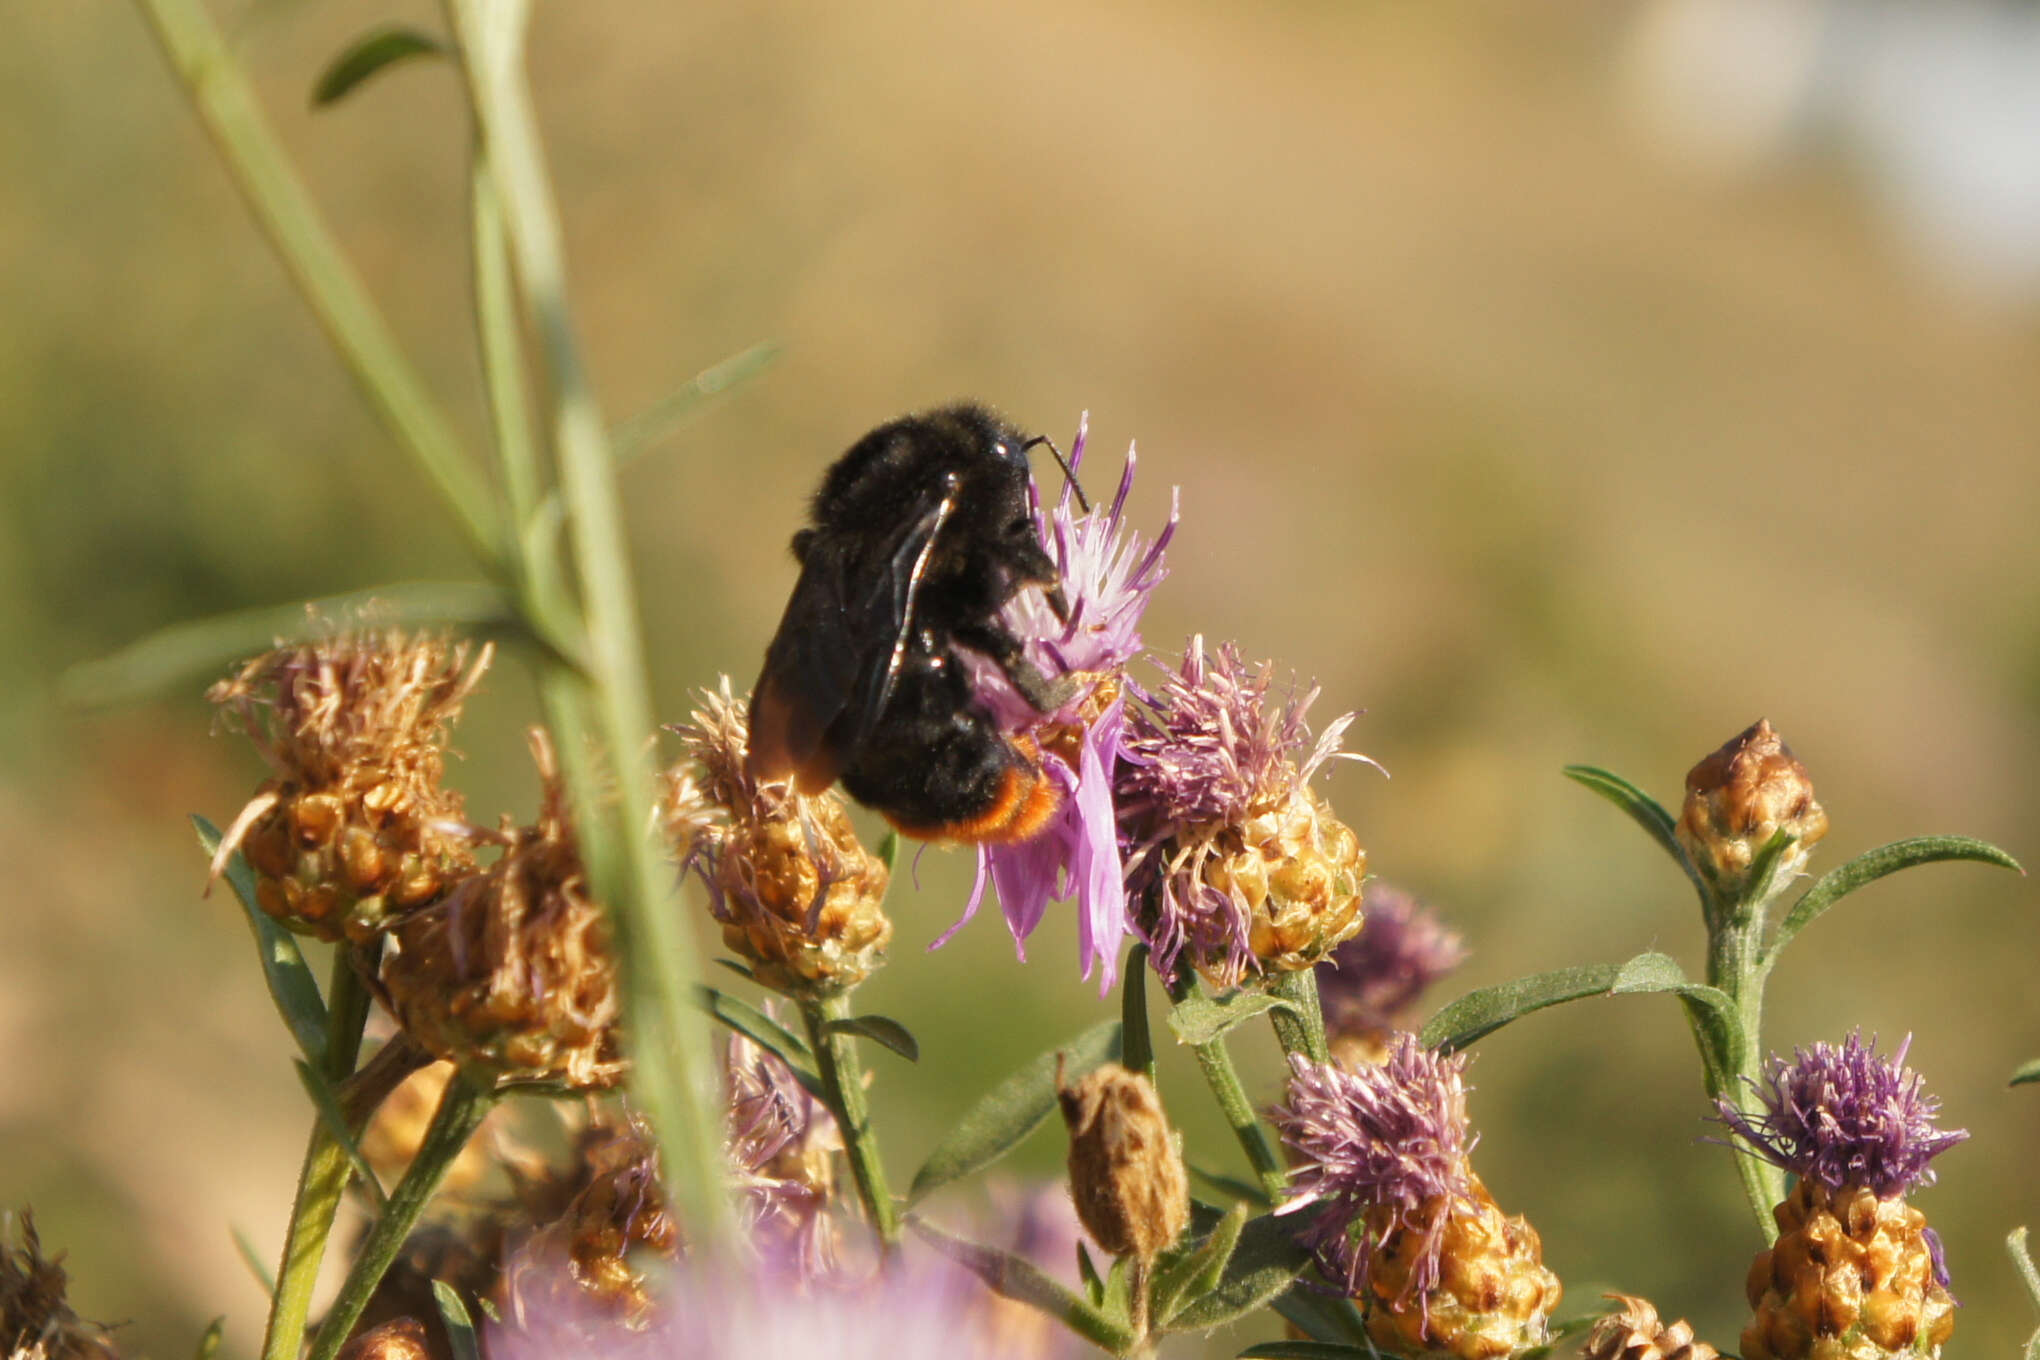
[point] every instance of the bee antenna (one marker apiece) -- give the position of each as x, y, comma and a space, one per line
1069, 473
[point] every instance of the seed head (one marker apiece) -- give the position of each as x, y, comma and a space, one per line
1236, 863
1635, 1333
355, 827
797, 893
513, 969
1372, 979
36, 1322
1126, 1171
1844, 1117
1741, 796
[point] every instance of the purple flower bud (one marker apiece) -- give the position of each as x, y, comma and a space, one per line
1843, 1117
1401, 949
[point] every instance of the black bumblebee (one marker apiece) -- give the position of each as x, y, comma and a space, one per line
919, 536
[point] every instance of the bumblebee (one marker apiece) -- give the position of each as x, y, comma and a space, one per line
918, 537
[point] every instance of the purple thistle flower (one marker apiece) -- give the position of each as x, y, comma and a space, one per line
1844, 1117
1381, 1149
781, 1143
1402, 949
1108, 573
1201, 761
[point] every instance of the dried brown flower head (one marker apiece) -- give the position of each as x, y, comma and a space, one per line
796, 892
513, 969
618, 1216
36, 1322
355, 826
1126, 1171
1635, 1333
1741, 796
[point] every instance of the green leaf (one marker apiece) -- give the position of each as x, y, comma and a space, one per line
1481, 1013
760, 1028
1198, 1272
881, 1030
252, 1259
291, 984
1759, 885
460, 1328
739, 967
1198, 1019
1710, 1009
1087, 1271
369, 55
1311, 1350
1872, 865
1016, 1107
1232, 1187
1017, 1279
209, 1344
327, 1101
673, 410
2027, 1073
1324, 1317
1263, 1265
1643, 809
889, 853
186, 654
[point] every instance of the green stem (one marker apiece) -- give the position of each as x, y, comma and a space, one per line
1137, 1046
669, 1037
323, 1181
1735, 964
843, 1083
461, 1110
1216, 1062
1303, 1029
284, 210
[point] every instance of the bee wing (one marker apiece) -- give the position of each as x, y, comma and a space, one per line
840, 646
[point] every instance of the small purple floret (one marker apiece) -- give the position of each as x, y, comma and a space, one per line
1844, 1117
1391, 1137
1108, 574
776, 1127
1370, 980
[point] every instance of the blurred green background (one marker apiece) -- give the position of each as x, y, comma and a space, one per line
1506, 399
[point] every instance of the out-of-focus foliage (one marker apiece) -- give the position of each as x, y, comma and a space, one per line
1503, 427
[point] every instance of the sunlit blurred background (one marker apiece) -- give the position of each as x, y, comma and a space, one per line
1553, 381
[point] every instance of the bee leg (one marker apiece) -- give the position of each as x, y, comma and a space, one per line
1004, 650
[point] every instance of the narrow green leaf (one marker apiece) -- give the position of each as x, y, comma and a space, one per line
882, 1030
1872, 865
1118, 1301
1643, 809
196, 652
1016, 1107
674, 410
2027, 1073
1198, 1019
1232, 1187
760, 1028
1483, 1012
252, 1259
1017, 1279
889, 853
1087, 1271
291, 984
369, 55
1710, 1009
1198, 1272
1263, 1265
1651, 972
1133, 1014
327, 1102
460, 1328
1323, 1317
740, 968
209, 1344
1760, 884
1311, 1350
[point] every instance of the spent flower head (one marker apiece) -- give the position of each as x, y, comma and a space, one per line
796, 892
355, 826
36, 1320
1380, 1150
1235, 863
1372, 979
782, 1145
1843, 1117
1108, 574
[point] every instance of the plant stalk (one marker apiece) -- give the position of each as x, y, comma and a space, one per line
1215, 1060
1303, 1029
843, 1083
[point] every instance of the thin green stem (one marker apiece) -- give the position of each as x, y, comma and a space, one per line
1735, 964
461, 1110
323, 1181
1137, 1047
283, 208
1303, 1029
843, 1084
669, 1037
1215, 1060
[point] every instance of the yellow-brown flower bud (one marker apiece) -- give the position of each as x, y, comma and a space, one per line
1494, 1294
356, 827
1635, 1333
513, 969
1741, 796
398, 1339
1851, 1277
796, 892
1126, 1170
